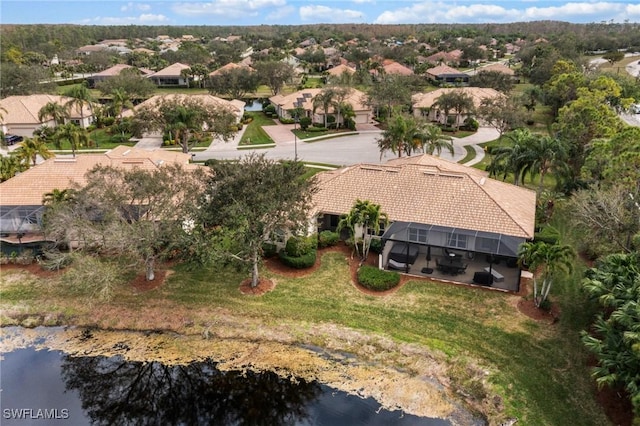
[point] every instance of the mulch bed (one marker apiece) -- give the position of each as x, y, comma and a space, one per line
33, 268
141, 284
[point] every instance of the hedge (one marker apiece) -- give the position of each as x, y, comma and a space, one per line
328, 238
298, 262
376, 279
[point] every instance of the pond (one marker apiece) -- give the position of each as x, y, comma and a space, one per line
51, 387
254, 104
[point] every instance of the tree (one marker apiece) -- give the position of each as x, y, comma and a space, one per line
494, 79
551, 259
502, 113
139, 213
75, 135
339, 99
432, 139
389, 93
57, 196
544, 154
511, 158
274, 74
9, 166
80, 96
615, 284
29, 150
234, 83
184, 116
120, 100
457, 101
24, 80
398, 136
246, 202
613, 57
135, 85
363, 220
54, 111
324, 100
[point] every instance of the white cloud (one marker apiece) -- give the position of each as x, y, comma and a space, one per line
436, 12
362, 1
328, 14
280, 13
226, 8
143, 19
135, 6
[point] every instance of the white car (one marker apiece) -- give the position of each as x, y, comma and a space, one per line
635, 108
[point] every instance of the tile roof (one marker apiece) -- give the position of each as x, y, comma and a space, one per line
427, 189
356, 99
499, 68
477, 94
112, 71
172, 70
442, 70
230, 66
28, 187
235, 106
397, 68
24, 109
339, 69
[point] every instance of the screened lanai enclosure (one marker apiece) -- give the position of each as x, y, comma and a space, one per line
453, 254
20, 228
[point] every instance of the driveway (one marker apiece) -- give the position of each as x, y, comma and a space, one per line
340, 151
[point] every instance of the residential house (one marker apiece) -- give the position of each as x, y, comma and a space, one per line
171, 76
106, 74
21, 116
501, 68
338, 70
91, 48
423, 103
21, 207
441, 214
228, 67
444, 74
394, 68
304, 99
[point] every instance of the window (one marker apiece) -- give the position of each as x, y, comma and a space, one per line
489, 245
457, 241
418, 235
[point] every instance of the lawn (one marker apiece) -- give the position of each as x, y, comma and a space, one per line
254, 134
537, 368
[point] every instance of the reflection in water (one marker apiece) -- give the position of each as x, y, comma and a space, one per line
118, 392
101, 390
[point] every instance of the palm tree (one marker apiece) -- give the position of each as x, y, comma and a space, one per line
54, 111
121, 100
323, 99
29, 150
364, 219
545, 154
10, 165
404, 134
80, 95
58, 196
184, 120
551, 259
513, 158
72, 133
433, 140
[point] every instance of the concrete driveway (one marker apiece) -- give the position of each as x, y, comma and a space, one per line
339, 151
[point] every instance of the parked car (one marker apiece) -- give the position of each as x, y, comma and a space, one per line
12, 139
635, 108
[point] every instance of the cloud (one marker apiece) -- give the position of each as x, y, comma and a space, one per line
280, 13
135, 6
328, 14
362, 1
226, 8
440, 12
143, 19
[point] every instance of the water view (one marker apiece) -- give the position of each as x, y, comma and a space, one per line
50, 387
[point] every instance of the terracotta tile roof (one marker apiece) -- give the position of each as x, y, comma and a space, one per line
235, 106
499, 68
396, 68
229, 66
477, 94
429, 190
442, 70
286, 102
338, 70
172, 70
113, 71
28, 188
24, 109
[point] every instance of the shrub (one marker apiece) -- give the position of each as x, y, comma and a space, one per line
305, 122
269, 250
314, 129
376, 245
298, 262
470, 124
328, 238
108, 121
299, 246
284, 120
269, 109
548, 234
376, 279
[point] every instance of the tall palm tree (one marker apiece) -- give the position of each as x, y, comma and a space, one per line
54, 111
183, 121
323, 100
550, 259
364, 219
512, 158
72, 133
29, 150
80, 96
121, 100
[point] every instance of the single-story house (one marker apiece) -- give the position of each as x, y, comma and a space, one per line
423, 103
392, 67
108, 73
21, 116
285, 103
171, 76
235, 106
228, 67
501, 68
445, 74
21, 206
447, 220
338, 70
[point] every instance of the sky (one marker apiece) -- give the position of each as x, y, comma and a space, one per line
295, 12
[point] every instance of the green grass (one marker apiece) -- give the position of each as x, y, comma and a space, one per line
471, 154
254, 134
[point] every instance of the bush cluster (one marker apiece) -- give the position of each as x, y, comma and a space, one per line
298, 262
300, 245
548, 234
269, 250
328, 238
284, 120
376, 279
314, 129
